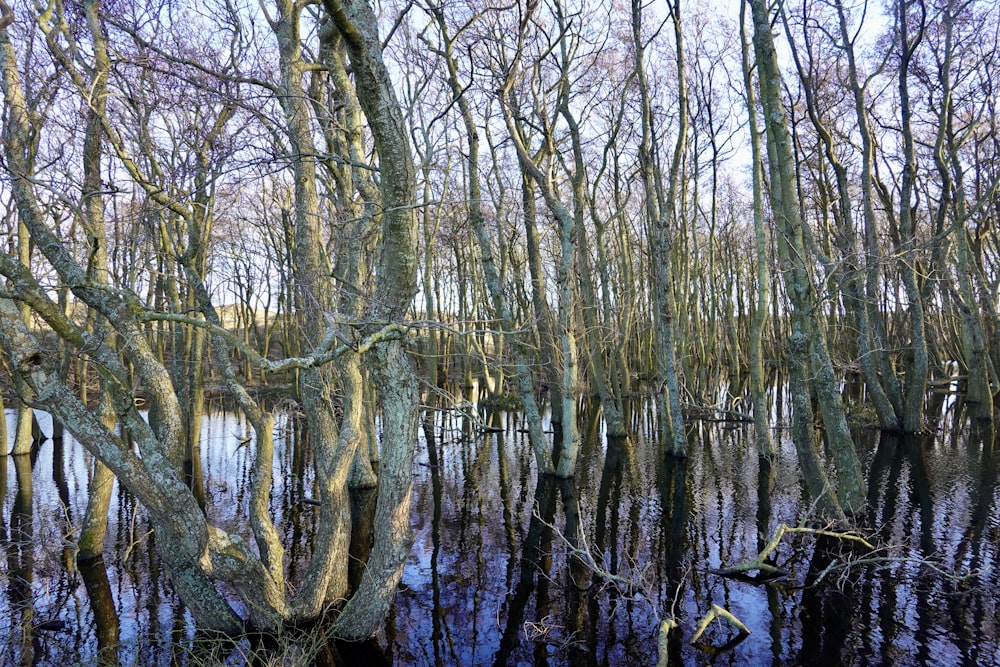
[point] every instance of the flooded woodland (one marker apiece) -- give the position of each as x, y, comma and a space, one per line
493, 577
441, 332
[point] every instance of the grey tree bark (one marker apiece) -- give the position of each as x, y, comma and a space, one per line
848, 272
917, 360
566, 268
808, 357
873, 254
95, 519
326, 576
761, 423
661, 210
25, 416
501, 309
396, 285
947, 158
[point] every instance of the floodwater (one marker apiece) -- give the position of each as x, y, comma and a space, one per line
509, 569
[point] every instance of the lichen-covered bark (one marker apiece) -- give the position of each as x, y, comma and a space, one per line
196, 554
543, 313
326, 576
177, 519
847, 272
353, 264
396, 285
975, 343
95, 519
761, 423
25, 416
610, 400
808, 357
660, 205
565, 268
917, 364
873, 323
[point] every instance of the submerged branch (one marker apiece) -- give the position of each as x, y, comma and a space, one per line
839, 567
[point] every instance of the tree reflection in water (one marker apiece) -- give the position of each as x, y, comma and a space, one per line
490, 579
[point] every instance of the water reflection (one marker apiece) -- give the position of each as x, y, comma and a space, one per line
21, 566
102, 602
495, 576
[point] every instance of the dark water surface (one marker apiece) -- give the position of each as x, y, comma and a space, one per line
491, 579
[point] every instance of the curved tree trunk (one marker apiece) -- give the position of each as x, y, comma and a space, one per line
326, 576
874, 320
660, 212
917, 357
566, 267
95, 520
847, 272
807, 352
543, 314
395, 288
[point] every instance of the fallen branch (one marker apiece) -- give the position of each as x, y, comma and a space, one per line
760, 563
663, 642
639, 587
706, 412
719, 612
626, 586
885, 562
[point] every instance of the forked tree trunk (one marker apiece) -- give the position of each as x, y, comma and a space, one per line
154, 474
565, 270
610, 400
979, 393
353, 264
543, 313
808, 357
847, 273
395, 288
917, 359
873, 255
325, 580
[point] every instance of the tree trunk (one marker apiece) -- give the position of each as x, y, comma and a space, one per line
395, 288
807, 354
979, 393
543, 314
660, 213
917, 361
566, 272
326, 576
23, 440
762, 426
500, 307
847, 272
873, 254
